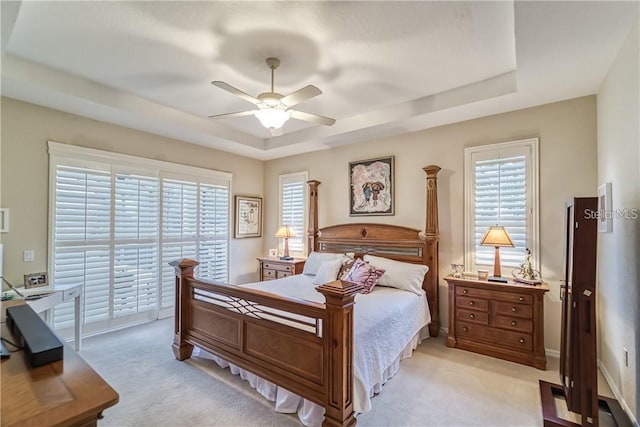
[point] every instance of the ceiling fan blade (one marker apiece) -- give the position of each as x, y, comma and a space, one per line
232, 115
236, 92
301, 95
314, 118
276, 132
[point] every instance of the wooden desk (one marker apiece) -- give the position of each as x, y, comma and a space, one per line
67, 392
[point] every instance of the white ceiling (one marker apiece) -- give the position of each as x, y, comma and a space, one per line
385, 68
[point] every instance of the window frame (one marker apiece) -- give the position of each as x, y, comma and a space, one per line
114, 163
302, 176
527, 147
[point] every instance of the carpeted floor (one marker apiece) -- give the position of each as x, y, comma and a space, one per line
438, 386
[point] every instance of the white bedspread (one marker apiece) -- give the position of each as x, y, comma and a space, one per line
387, 327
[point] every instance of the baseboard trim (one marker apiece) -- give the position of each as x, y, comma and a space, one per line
552, 353
616, 393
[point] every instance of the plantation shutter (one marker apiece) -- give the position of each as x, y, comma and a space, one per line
195, 224
135, 271
82, 234
214, 232
500, 199
292, 209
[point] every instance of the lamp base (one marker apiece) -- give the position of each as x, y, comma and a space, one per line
498, 279
286, 258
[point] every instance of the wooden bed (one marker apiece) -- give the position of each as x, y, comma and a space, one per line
303, 346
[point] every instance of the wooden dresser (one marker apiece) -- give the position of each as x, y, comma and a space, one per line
274, 268
498, 319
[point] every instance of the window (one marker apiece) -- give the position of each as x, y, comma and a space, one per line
116, 223
293, 209
501, 188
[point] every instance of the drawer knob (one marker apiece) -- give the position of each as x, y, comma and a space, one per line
471, 303
472, 316
513, 309
521, 299
513, 323
464, 291
465, 329
521, 340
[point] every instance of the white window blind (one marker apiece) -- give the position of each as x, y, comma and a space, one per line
117, 221
500, 198
501, 189
293, 208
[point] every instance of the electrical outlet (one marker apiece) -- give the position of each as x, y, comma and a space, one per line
28, 255
626, 357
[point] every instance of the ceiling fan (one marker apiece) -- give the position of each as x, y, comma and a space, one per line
274, 109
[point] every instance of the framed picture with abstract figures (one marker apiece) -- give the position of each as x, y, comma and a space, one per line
371, 187
248, 218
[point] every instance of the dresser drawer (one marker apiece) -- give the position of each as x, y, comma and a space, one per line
514, 323
282, 274
269, 274
495, 336
473, 316
517, 310
512, 297
472, 303
276, 266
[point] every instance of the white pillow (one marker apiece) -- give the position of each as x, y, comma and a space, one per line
328, 272
400, 275
314, 260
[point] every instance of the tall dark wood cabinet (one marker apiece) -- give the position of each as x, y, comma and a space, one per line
578, 356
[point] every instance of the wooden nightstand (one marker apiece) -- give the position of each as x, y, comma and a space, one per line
504, 320
273, 268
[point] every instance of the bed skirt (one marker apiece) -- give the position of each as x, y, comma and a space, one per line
309, 413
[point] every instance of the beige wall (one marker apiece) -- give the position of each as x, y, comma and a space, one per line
25, 181
567, 132
619, 251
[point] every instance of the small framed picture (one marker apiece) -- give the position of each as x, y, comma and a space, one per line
4, 220
273, 253
605, 218
35, 280
248, 218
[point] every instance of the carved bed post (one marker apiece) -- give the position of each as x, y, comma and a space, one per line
432, 235
338, 338
312, 231
184, 270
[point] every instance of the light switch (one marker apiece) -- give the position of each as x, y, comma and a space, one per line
28, 255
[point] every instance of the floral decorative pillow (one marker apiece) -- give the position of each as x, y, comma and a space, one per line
364, 274
346, 267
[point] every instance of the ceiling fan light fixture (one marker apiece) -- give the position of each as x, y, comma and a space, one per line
272, 118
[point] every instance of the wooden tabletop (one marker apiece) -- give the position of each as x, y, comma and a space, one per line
67, 392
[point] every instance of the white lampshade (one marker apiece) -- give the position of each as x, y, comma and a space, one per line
285, 232
272, 118
497, 236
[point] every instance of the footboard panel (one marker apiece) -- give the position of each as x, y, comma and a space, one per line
301, 356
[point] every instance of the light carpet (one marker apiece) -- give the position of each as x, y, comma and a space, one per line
438, 386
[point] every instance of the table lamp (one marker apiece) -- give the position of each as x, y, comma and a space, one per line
497, 236
285, 232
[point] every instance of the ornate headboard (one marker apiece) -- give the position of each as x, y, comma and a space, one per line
390, 241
